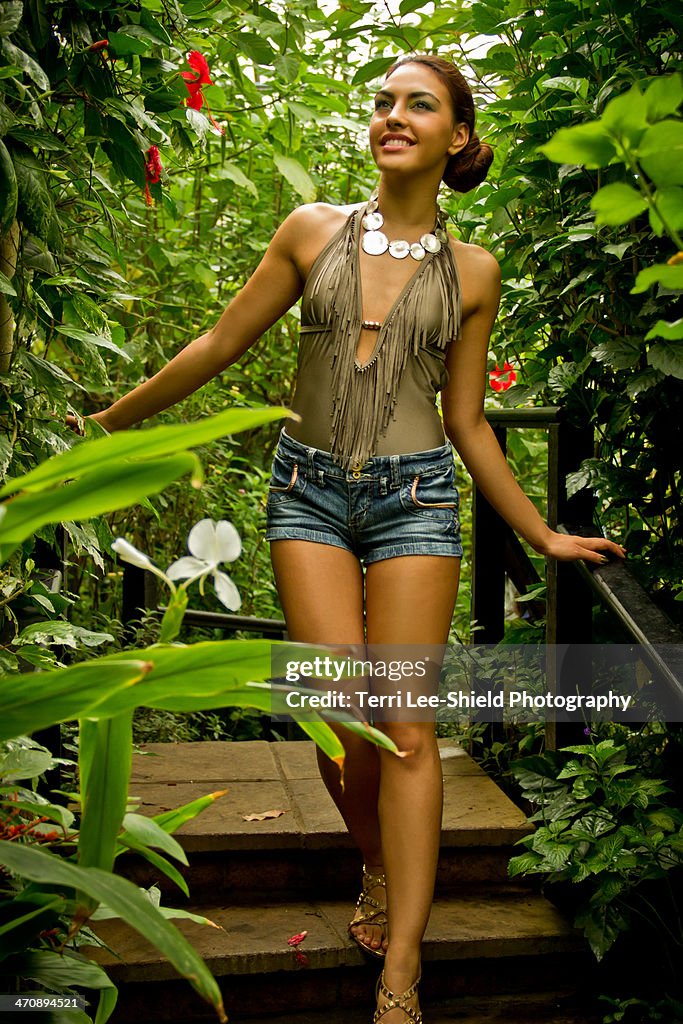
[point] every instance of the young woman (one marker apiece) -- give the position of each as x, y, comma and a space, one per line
363, 510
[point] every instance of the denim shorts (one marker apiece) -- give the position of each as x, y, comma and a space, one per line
391, 505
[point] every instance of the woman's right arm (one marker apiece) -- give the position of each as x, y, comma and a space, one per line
272, 289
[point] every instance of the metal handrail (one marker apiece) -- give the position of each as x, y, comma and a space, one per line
626, 599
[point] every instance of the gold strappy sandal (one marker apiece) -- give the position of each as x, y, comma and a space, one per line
376, 915
397, 1002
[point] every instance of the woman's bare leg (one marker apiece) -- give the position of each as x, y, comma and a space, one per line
409, 600
321, 593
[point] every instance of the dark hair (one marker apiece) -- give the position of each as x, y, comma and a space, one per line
469, 167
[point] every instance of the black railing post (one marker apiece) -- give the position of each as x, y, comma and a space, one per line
569, 617
138, 593
488, 564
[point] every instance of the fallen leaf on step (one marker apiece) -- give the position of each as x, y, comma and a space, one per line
262, 816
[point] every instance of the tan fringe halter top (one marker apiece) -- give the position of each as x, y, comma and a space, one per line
385, 406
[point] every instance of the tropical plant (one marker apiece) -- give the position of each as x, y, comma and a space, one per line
102, 694
606, 827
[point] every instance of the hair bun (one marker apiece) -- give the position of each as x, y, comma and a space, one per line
469, 167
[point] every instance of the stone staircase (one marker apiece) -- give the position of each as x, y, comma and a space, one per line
494, 951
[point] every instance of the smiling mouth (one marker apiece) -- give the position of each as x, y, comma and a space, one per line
397, 144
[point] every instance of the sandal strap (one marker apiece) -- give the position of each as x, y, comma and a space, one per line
397, 1002
369, 901
366, 900
377, 917
369, 880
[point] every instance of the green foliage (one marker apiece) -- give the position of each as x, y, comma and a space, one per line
583, 208
605, 826
103, 693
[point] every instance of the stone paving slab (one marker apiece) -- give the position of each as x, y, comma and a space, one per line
221, 825
298, 760
488, 924
322, 824
262, 776
477, 812
210, 761
456, 761
248, 940
532, 1008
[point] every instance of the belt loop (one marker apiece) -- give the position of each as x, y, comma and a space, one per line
321, 478
310, 463
394, 461
383, 485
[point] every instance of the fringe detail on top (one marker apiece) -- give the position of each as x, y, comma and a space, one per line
364, 397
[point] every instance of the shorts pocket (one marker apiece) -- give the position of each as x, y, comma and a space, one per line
286, 480
433, 496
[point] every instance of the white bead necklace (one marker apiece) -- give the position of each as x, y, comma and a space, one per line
374, 242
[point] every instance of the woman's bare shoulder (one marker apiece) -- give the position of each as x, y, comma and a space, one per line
479, 274
309, 228
320, 216
474, 259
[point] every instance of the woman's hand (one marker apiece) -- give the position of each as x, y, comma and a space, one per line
568, 547
78, 426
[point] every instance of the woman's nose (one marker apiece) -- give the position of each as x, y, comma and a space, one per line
396, 115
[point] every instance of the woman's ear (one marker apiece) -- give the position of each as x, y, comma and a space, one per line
461, 137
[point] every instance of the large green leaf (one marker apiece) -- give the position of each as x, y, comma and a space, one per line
123, 44
297, 176
667, 218
667, 356
36, 700
234, 173
625, 116
618, 203
664, 96
171, 820
21, 59
66, 971
104, 758
660, 153
160, 863
127, 901
587, 144
373, 69
10, 16
663, 329
152, 443
112, 486
148, 831
661, 273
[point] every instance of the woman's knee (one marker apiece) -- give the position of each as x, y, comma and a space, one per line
418, 738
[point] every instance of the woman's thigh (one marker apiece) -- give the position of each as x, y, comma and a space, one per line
321, 591
410, 599
410, 602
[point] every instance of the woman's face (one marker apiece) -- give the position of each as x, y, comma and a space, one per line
413, 127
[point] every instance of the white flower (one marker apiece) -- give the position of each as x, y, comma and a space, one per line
211, 543
128, 553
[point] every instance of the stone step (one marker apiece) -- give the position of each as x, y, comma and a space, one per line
529, 1008
479, 943
306, 849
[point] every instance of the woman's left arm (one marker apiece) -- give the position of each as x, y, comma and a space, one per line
463, 412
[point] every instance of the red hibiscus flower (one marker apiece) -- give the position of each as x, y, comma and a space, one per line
300, 958
501, 380
196, 99
153, 171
